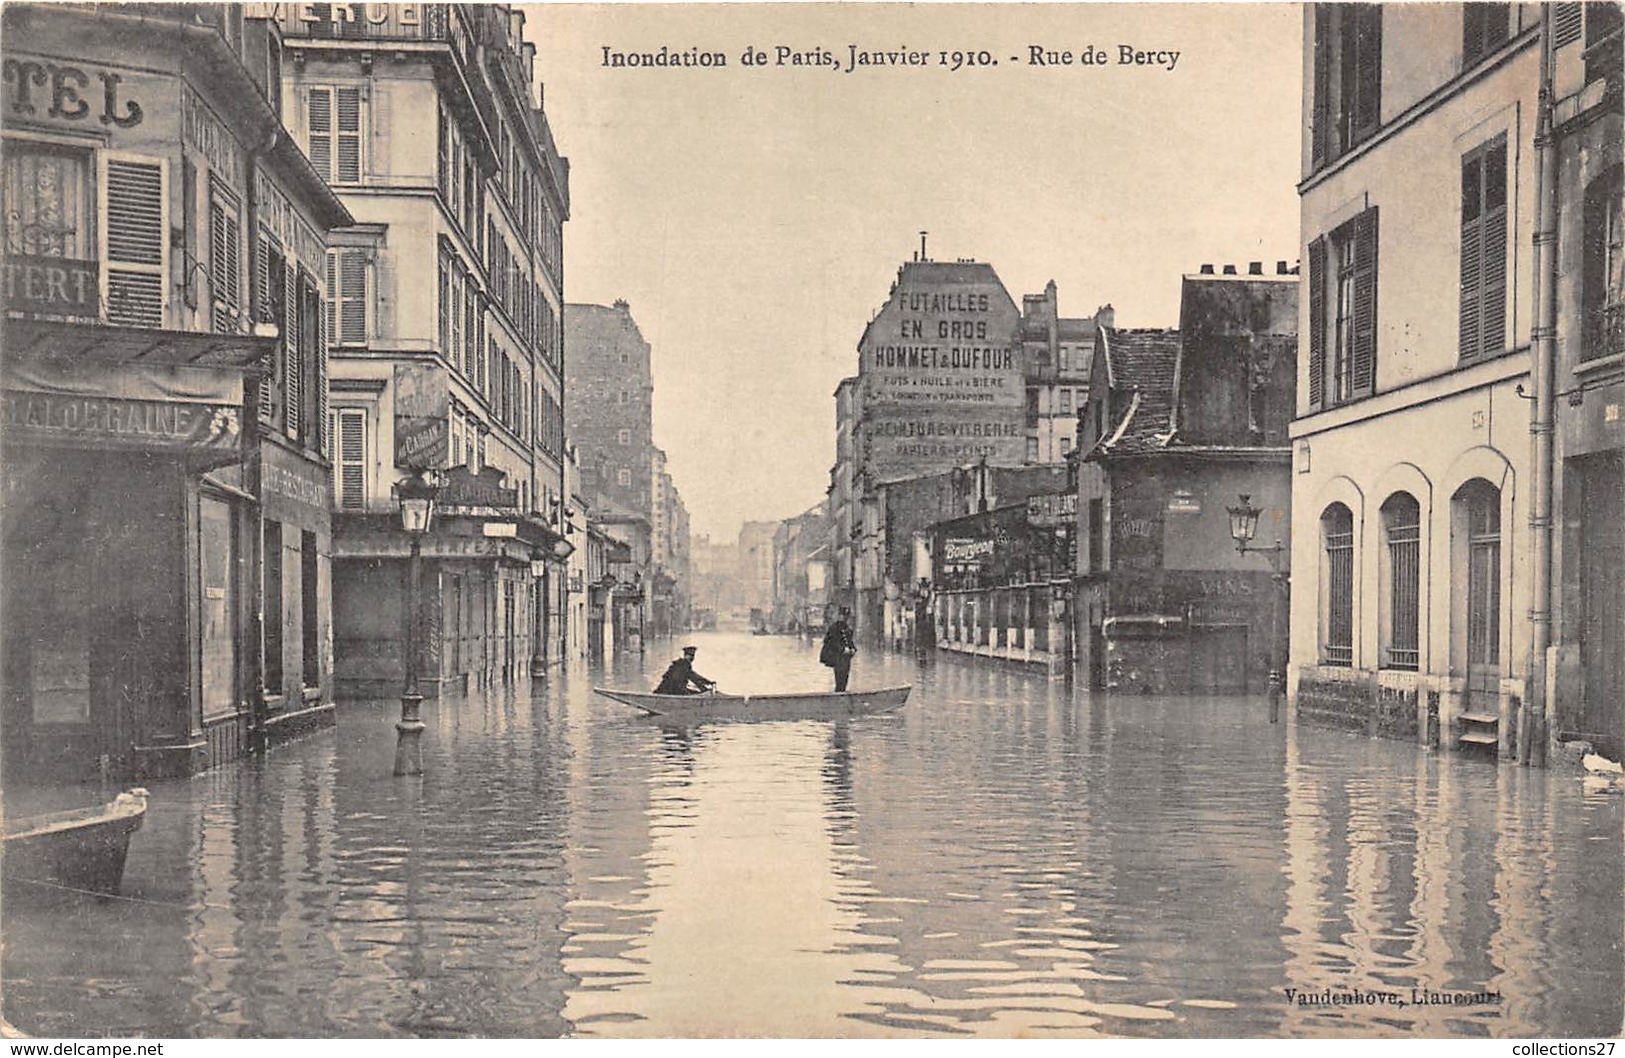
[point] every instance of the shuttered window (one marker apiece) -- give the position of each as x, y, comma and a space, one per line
349, 428
134, 239
1484, 28
294, 369
1566, 21
347, 300
271, 281
225, 261
333, 133
1343, 313
1483, 303
1347, 72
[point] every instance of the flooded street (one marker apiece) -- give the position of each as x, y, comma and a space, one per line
1002, 857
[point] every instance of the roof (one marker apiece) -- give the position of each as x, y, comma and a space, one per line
1141, 362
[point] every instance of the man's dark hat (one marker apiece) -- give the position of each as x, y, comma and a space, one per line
690, 650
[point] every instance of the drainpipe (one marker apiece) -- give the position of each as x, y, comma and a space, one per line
1538, 714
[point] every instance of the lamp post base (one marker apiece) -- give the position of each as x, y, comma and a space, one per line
409, 737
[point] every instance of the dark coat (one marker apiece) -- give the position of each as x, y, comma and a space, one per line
837, 643
679, 675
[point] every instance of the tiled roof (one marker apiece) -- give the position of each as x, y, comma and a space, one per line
1142, 370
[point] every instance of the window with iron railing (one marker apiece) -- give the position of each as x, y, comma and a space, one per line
1402, 524
1603, 268
1337, 625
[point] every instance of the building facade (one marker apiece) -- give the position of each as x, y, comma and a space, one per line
1586, 663
1056, 352
455, 369
167, 544
1180, 425
1412, 484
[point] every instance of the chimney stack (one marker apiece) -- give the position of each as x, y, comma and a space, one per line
1207, 269
1229, 270
922, 246
1280, 269
1255, 268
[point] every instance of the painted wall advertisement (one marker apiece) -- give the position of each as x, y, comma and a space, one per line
422, 417
943, 380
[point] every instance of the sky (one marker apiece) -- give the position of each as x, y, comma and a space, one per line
755, 216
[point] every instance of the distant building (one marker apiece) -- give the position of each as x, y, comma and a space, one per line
798, 592
168, 544
1179, 425
609, 416
754, 563
1056, 352
1412, 479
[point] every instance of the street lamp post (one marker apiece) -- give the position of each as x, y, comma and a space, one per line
1243, 526
416, 495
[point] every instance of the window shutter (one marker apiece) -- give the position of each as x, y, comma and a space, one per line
1493, 239
319, 129
262, 288
1320, 116
134, 240
350, 471
1472, 33
1317, 323
1365, 303
349, 135
225, 266
352, 297
1472, 256
323, 421
1368, 92
294, 367
1566, 23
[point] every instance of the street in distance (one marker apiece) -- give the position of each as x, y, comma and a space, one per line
855, 58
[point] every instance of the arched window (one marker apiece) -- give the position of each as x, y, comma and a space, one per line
1402, 529
1337, 597
1481, 503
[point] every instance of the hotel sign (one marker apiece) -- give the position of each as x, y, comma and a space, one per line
113, 422
53, 286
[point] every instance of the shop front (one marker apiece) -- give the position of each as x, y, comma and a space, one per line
128, 527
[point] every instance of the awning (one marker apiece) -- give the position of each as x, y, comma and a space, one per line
49, 340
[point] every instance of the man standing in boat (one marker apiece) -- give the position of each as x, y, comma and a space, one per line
839, 648
680, 677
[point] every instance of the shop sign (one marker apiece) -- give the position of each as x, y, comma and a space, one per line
116, 422
1183, 501
290, 482
1052, 511
963, 551
56, 286
422, 417
503, 530
464, 488
38, 89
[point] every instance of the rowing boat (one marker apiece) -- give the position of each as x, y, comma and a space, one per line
830, 705
82, 849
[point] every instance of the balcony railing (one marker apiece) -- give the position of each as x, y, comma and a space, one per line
1604, 331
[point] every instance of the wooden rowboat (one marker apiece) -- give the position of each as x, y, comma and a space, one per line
814, 705
81, 850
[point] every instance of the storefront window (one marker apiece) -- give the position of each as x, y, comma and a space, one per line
217, 547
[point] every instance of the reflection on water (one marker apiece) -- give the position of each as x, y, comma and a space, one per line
1001, 858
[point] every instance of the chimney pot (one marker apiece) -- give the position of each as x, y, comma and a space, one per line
1255, 268
1207, 269
1280, 268
1229, 270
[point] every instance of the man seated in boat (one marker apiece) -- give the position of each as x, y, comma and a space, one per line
680, 677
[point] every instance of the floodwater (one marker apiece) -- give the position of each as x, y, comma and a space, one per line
1003, 857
